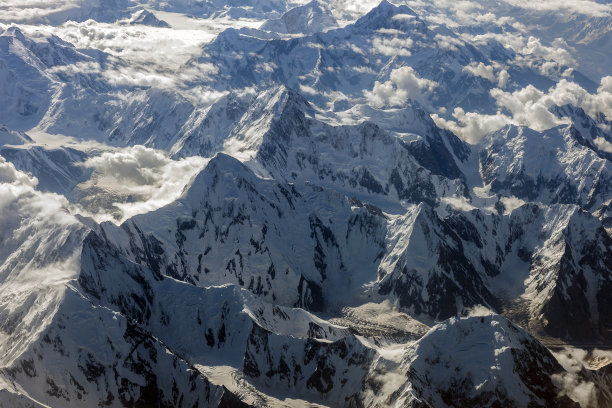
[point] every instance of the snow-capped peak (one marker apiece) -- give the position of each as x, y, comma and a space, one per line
307, 19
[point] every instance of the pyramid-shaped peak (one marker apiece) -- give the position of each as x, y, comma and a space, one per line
382, 16
308, 19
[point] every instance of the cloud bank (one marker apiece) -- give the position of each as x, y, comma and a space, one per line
571, 383
24, 210
403, 84
138, 179
529, 107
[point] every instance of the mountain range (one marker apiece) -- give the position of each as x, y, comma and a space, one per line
277, 203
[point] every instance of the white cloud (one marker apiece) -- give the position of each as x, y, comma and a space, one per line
143, 179
530, 52
486, 18
605, 85
403, 83
81, 67
530, 107
570, 383
392, 46
38, 11
602, 101
574, 387
453, 13
206, 96
458, 203
481, 70
139, 55
364, 70
389, 31
472, 126
478, 311
502, 78
402, 17
603, 144
356, 49
10, 175
587, 7
511, 203
447, 42
308, 90
463, 10
130, 76
23, 208
565, 92
548, 59
351, 9
513, 41
265, 67
39, 250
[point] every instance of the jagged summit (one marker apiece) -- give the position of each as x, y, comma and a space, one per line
544, 165
307, 19
594, 133
145, 17
46, 50
458, 354
385, 15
